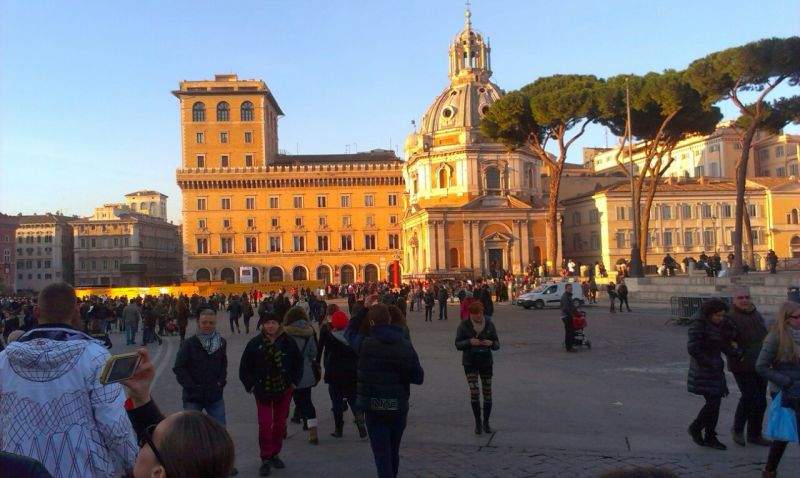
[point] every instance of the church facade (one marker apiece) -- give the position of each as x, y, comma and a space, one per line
473, 207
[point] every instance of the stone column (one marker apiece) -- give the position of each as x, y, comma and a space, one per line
525, 243
441, 233
466, 244
477, 252
430, 245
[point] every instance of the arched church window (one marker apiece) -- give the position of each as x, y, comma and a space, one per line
444, 177
492, 180
198, 111
247, 111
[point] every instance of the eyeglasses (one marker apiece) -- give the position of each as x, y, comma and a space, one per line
147, 439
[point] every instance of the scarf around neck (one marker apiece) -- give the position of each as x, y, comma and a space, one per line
210, 342
478, 327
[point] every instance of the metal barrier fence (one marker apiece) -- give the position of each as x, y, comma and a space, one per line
685, 307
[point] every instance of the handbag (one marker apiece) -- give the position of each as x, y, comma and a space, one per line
782, 423
316, 368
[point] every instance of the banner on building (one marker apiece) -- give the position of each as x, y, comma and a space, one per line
245, 275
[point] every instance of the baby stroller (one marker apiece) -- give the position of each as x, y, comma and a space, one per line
578, 325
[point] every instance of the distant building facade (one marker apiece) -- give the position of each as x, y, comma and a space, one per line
128, 244
44, 252
253, 215
689, 216
8, 229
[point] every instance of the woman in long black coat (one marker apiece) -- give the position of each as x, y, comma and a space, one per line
707, 342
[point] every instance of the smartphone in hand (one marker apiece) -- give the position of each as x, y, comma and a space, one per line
120, 367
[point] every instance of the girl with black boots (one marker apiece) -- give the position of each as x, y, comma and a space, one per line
477, 338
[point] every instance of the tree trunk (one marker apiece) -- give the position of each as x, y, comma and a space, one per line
748, 235
552, 221
645, 221
741, 183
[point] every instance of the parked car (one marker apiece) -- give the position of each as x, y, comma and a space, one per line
549, 295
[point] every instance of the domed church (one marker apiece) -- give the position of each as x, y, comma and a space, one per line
473, 207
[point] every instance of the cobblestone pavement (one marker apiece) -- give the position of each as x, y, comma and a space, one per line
621, 404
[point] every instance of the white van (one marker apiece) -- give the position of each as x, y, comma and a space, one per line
549, 295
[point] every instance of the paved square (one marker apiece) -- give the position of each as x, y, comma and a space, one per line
621, 404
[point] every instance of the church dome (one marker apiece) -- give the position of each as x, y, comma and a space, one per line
460, 106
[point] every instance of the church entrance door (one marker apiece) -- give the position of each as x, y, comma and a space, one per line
495, 261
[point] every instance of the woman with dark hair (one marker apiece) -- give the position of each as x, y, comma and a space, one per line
299, 328
779, 362
387, 366
477, 338
707, 342
398, 319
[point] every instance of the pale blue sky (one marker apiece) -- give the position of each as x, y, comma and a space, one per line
86, 113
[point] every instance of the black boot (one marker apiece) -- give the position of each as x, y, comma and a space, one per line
696, 431
338, 431
713, 442
476, 410
487, 410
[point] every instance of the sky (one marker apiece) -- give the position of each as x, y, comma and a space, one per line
86, 113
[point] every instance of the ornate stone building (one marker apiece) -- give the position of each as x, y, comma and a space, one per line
473, 206
44, 252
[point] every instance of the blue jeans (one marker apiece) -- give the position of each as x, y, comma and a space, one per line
215, 410
385, 432
130, 334
442, 310
337, 404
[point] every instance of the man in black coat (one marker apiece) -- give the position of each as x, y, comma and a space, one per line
568, 311
486, 300
201, 368
443, 296
747, 328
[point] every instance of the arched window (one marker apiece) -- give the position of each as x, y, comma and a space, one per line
247, 111
492, 180
794, 217
299, 273
198, 111
347, 275
223, 111
795, 246
275, 274
228, 275
444, 177
324, 274
203, 274
371, 273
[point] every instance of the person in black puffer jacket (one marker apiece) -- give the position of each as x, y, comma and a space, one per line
201, 368
477, 338
748, 330
707, 341
387, 365
779, 362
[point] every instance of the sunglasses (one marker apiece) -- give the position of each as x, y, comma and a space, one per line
147, 439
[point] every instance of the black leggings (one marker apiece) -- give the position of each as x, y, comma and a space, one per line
303, 403
709, 414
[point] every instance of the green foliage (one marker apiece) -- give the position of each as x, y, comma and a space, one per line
560, 102
509, 121
655, 97
749, 67
775, 115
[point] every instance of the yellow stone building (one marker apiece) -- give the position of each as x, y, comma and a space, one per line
251, 214
689, 216
474, 207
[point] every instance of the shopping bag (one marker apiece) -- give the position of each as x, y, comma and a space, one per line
782, 423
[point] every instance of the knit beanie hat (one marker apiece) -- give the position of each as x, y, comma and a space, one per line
266, 316
339, 320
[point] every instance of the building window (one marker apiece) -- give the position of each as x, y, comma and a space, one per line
226, 245
688, 238
322, 201
346, 221
752, 210
594, 216
298, 221
322, 243
594, 241
369, 241
393, 219
274, 244
273, 202
347, 242
198, 112
275, 222
778, 151
297, 202
727, 210
620, 213
667, 238
201, 204
250, 203
226, 203
251, 222
394, 241
201, 224
201, 161
247, 111
620, 237
248, 160
686, 211
577, 242
780, 172
323, 221
223, 111
226, 223
202, 246
370, 221
224, 160
666, 212
699, 171
793, 169
248, 137
200, 137
576, 218
393, 199
299, 243
251, 244
223, 137
708, 237
345, 200
369, 200
705, 210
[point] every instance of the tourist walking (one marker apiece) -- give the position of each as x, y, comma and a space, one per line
477, 338
779, 362
299, 328
234, 312
429, 303
247, 312
341, 364
568, 311
611, 290
132, 315
772, 261
707, 341
443, 296
746, 327
622, 295
485, 298
387, 366
270, 367
183, 316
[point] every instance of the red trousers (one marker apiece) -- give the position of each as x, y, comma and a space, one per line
272, 424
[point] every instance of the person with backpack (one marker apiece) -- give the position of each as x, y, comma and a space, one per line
477, 338
299, 328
